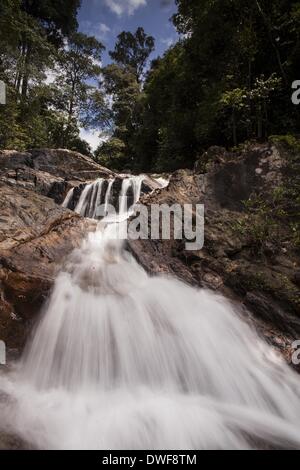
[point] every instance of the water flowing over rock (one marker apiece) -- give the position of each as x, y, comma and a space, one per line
265, 284
35, 236
87, 198
116, 348
122, 343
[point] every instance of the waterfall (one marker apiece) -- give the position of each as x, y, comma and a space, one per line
122, 360
135, 184
96, 198
125, 187
163, 182
83, 201
68, 198
108, 196
91, 197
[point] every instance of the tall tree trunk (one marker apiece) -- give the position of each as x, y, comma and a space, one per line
249, 122
26, 71
70, 114
20, 67
266, 119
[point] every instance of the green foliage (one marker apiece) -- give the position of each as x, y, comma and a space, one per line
122, 82
112, 154
272, 218
289, 141
226, 82
33, 38
77, 63
133, 50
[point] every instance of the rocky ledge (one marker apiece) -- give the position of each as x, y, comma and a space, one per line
252, 242
252, 251
49, 172
35, 236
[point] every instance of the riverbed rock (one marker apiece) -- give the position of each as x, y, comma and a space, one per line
262, 277
35, 237
49, 172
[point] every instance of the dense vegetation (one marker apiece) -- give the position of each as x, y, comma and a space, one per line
228, 80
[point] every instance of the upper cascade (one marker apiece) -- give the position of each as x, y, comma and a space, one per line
95, 197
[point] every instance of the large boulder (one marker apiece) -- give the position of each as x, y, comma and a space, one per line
35, 237
263, 277
49, 172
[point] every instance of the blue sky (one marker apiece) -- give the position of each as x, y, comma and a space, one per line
105, 19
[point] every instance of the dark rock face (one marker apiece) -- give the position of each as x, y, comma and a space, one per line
49, 172
68, 165
230, 179
35, 237
268, 283
11, 442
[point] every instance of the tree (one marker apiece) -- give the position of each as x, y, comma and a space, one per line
77, 64
121, 85
44, 24
112, 154
133, 50
57, 17
32, 38
122, 82
223, 83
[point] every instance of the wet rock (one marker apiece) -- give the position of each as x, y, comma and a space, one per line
49, 172
35, 237
297, 278
265, 282
12, 442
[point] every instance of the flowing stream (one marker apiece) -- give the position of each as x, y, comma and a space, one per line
122, 360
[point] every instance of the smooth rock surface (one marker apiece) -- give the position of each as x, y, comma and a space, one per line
266, 283
35, 237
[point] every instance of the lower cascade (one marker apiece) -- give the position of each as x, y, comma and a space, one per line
122, 360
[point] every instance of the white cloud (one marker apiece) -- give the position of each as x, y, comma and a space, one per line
102, 30
99, 30
121, 7
93, 138
168, 42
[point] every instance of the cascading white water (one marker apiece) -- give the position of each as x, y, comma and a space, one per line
83, 200
136, 184
108, 196
122, 360
68, 198
90, 199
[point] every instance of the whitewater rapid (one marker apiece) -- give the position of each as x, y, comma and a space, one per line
123, 360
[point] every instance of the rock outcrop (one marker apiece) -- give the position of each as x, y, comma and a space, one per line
246, 197
49, 172
35, 237
261, 273
36, 234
